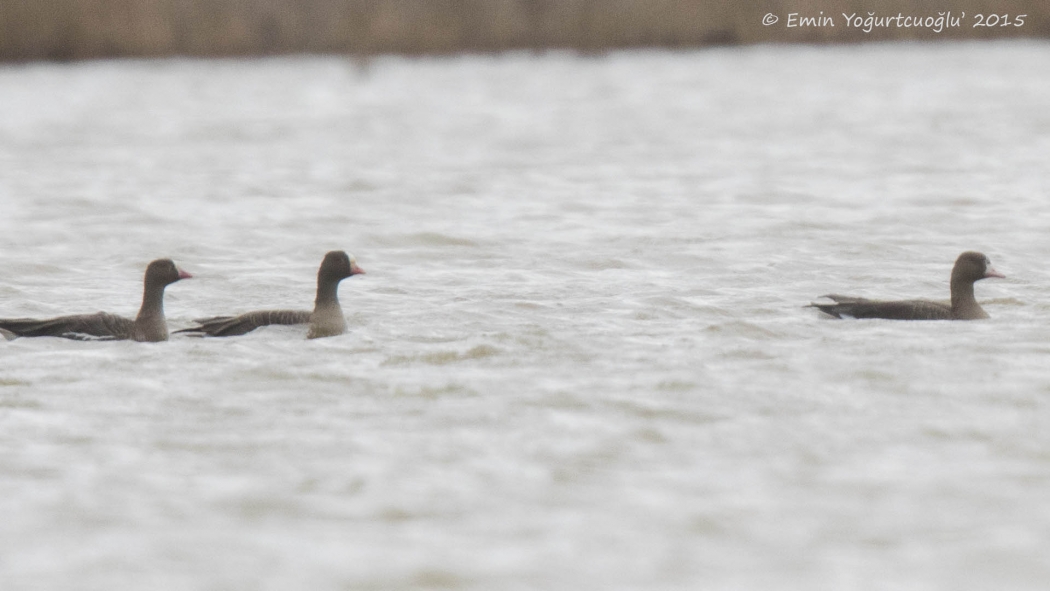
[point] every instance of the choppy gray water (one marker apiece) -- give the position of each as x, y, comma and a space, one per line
580, 357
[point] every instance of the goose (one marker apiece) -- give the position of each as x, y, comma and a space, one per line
969, 268
325, 320
148, 326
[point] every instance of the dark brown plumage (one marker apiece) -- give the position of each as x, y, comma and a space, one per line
149, 325
969, 268
325, 320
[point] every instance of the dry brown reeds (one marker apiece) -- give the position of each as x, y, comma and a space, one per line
78, 29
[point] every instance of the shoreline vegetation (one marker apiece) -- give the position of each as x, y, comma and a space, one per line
63, 30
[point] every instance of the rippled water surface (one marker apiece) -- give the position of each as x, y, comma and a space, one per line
579, 358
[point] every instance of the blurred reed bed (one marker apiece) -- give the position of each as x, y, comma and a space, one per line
80, 29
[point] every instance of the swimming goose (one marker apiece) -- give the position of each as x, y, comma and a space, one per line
325, 320
970, 267
148, 326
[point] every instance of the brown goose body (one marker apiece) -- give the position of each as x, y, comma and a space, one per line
325, 320
148, 326
969, 268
